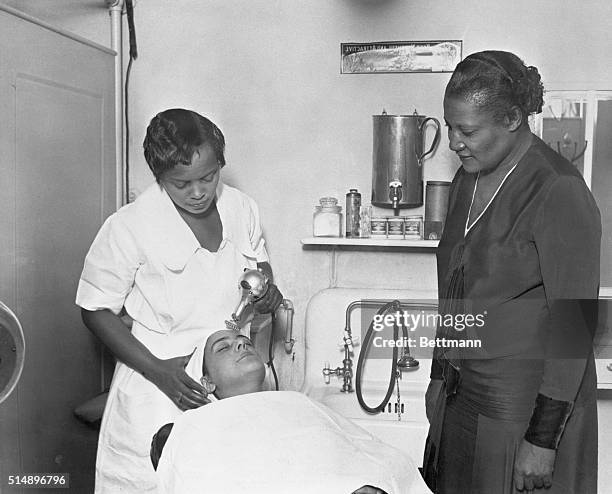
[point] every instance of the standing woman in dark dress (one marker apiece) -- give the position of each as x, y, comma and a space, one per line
521, 246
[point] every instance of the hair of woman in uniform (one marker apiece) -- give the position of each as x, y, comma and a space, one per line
174, 135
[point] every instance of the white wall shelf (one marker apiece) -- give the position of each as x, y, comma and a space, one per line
370, 242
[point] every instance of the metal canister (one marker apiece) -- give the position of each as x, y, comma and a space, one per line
436, 204
398, 150
353, 203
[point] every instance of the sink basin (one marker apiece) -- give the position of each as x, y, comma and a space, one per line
407, 433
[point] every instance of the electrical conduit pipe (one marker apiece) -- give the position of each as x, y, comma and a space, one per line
115, 8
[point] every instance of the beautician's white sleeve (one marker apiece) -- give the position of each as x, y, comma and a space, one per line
110, 268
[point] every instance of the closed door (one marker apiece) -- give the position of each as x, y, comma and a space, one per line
58, 184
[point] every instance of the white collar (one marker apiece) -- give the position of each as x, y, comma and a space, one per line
172, 238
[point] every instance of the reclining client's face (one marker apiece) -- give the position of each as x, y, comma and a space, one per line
232, 364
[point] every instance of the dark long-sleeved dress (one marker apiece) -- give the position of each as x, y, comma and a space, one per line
529, 265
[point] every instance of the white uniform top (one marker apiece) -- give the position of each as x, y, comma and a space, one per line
146, 258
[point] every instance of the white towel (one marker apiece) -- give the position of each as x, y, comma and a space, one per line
194, 366
277, 442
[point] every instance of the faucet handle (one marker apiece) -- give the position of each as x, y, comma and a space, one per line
350, 341
326, 372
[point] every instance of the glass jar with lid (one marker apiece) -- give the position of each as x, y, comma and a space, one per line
327, 218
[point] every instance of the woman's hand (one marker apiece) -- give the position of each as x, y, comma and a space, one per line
270, 301
533, 467
171, 378
431, 397
168, 375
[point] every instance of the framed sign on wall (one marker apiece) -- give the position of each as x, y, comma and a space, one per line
399, 56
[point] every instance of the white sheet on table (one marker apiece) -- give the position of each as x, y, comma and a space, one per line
278, 442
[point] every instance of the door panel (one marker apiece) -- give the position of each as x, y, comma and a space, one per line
58, 185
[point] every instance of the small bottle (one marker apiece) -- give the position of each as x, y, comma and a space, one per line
353, 203
327, 218
365, 219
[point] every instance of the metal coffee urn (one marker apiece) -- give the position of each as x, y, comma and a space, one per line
397, 159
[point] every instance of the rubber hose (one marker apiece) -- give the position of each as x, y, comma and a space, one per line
271, 352
361, 360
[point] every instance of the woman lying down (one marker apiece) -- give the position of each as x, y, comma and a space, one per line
255, 441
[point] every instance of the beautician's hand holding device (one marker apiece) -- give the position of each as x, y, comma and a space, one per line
258, 295
171, 260
272, 299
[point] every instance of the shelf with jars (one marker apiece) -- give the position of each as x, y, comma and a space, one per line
358, 228
365, 231
370, 242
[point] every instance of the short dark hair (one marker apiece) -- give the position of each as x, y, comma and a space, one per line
174, 135
497, 81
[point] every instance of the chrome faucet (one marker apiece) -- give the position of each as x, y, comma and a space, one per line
348, 341
346, 371
395, 194
404, 362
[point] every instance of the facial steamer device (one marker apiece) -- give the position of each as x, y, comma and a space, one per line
253, 285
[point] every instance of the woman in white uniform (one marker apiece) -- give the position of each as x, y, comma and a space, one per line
171, 260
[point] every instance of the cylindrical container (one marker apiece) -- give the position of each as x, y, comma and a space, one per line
365, 221
413, 227
379, 226
395, 228
436, 204
398, 150
327, 218
353, 203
